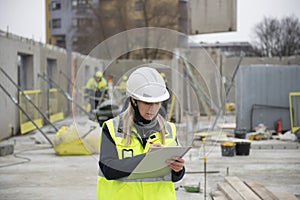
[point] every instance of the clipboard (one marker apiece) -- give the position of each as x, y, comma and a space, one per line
154, 164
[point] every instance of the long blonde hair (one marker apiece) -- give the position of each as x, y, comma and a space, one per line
128, 121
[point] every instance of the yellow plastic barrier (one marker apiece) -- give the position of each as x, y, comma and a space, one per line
68, 141
55, 105
294, 100
25, 124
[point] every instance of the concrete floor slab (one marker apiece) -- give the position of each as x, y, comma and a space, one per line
35, 172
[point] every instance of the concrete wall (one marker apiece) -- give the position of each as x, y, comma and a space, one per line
37, 57
230, 63
10, 47
211, 16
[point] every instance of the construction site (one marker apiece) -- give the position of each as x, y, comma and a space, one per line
239, 115
56, 157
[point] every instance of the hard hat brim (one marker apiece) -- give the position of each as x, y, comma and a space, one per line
161, 98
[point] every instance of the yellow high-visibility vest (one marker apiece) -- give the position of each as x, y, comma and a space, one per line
160, 188
92, 84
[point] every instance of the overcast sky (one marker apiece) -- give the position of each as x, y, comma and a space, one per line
27, 18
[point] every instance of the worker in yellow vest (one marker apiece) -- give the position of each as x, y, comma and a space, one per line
95, 88
122, 86
124, 82
127, 138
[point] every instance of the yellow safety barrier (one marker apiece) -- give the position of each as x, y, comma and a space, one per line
25, 124
171, 107
55, 105
294, 100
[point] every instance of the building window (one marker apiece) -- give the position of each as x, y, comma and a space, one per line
55, 5
79, 4
138, 5
56, 23
74, 22
84, 22
61, 41
74, 3
75, 39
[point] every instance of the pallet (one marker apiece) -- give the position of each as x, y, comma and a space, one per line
235, 189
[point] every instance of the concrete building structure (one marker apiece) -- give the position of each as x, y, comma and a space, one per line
24, 60
65, 20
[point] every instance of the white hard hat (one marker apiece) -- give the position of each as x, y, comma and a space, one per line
146, 84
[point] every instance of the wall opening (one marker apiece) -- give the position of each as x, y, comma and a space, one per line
25, 71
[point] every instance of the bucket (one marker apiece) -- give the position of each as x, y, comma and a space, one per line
242, 148
228, 149
240, 133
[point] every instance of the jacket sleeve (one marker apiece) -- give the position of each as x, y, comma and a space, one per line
177, 176
111, 166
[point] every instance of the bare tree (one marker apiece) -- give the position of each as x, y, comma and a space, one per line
158, 14
112, 17
290, 36
277, 37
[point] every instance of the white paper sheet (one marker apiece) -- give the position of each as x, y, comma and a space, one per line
154, 164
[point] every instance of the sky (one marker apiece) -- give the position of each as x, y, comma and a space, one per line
26, 18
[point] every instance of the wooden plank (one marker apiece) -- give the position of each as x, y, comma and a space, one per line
241, 188
229, 192
260, 190
285, 195
218, 195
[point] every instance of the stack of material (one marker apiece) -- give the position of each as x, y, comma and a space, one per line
235, 189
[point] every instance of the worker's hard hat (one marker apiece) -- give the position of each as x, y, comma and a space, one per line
125, 78
98, 75
146, 84
163, 75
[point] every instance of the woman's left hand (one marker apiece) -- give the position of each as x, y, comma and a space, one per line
176, 164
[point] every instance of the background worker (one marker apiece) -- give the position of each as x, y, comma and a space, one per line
127, 138
124, 82
122, 86
165, 104
95, 88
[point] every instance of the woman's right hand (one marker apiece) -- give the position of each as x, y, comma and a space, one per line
155, 145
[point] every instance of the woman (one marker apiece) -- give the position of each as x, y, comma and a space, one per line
127, 138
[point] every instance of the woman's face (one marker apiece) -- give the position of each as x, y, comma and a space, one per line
148, 110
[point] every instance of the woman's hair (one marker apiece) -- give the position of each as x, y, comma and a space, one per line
128, 121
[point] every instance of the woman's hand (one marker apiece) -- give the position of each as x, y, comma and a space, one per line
176, 164
155, 145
